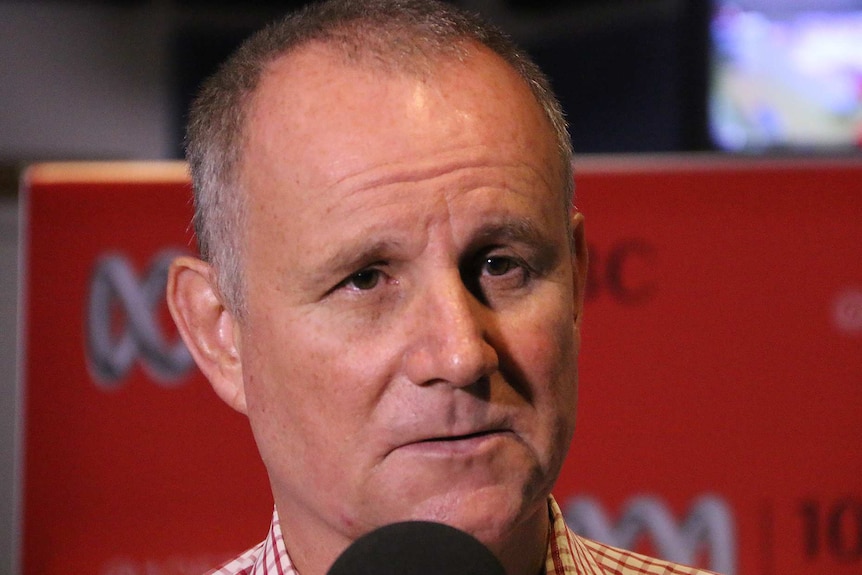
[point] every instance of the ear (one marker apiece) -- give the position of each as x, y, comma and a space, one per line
580, 257
209, 330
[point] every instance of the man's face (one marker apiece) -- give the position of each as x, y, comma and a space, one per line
410, 344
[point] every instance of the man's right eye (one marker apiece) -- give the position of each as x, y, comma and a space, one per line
364, 280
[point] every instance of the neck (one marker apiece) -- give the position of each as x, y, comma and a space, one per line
524, 553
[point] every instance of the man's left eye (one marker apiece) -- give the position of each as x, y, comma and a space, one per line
364, 280
498, 266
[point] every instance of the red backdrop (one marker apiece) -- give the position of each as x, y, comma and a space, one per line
721, 373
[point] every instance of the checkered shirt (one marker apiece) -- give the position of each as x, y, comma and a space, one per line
568, 554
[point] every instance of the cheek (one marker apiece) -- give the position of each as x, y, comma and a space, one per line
307, 392
303, 417
545, 353
547, 346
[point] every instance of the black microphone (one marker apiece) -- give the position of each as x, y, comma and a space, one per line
417, 548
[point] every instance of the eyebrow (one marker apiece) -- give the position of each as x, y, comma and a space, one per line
522, 230
348, 258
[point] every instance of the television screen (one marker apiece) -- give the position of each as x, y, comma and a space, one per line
786, 74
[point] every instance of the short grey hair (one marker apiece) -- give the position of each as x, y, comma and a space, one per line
398, 35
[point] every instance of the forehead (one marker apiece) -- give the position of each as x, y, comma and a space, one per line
316, 120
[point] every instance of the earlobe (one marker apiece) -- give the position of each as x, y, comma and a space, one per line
580, 261
208, 329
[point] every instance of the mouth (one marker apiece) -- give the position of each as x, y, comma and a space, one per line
466, 437
454, 445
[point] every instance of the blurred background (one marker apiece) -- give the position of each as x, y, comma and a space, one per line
111, 79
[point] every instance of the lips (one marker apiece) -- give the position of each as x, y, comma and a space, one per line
458, 426
464, 437
466, 444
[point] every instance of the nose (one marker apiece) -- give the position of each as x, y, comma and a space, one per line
449, 336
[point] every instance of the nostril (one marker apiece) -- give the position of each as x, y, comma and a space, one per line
480, 389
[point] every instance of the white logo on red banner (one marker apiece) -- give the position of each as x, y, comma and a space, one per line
114, 286
848, 311
709, 525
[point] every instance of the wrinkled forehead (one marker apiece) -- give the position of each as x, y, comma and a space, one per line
319, 118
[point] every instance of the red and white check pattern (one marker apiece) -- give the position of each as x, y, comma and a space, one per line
269, 557
568, 554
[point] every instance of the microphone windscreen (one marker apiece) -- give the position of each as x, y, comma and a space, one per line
417, 548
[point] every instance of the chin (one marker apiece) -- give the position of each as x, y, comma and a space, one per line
491, 514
